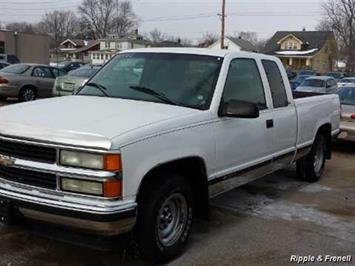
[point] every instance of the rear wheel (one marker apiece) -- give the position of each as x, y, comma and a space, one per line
165, 215
27, 94
2, 98
311, 167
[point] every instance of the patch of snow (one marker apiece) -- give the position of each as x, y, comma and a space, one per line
314, 188
297, 52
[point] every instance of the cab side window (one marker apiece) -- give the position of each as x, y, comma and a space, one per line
244, 83
277, 86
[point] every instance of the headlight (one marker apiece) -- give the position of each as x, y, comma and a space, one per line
81, 186
108, 162
109, 189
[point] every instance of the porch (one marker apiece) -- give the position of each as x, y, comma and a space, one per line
297, 63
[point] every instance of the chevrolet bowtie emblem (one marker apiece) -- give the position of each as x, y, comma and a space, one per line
6, 161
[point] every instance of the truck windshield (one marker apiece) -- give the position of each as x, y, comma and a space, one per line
181, 79
347, 96
313, 83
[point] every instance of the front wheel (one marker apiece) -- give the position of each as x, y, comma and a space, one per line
311, 167
165, 215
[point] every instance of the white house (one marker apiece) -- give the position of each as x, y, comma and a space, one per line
112, 45
234, 44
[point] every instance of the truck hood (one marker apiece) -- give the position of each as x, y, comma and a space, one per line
86, 121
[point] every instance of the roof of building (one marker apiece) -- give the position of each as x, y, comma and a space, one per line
89, 45
243, 44
312, 40
76, 42
167, 43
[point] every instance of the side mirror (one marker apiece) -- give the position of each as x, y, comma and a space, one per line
239, 109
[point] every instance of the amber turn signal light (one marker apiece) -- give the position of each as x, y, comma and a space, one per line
113, 189
112, 162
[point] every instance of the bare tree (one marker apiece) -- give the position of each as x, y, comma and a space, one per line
208, 39
59, 25
21, 27
108, 16
156, 36
125, 20
260, 44
252, 37
340, 17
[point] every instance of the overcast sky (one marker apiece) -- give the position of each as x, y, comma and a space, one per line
190, 19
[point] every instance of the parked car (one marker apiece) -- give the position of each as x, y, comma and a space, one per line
3, 64
346, 81
9, 58
28, 81
291, 74
65, 85
320, 84
68, 66
338, 76
347, 124
298, 81
307, 72
146, 149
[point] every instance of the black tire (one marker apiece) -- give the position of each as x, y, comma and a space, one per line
311, 167
3, 98
27, 94
153, 220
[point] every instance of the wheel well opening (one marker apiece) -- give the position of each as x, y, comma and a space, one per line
194, 170
326, 131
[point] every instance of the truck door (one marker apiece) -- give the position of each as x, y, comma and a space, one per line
284, 126
243, 145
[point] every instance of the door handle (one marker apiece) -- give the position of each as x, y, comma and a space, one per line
270, 123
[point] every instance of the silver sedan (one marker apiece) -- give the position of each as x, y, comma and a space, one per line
347, 124
28, 81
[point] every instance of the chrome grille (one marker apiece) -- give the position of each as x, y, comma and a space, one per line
28, 151
29, 177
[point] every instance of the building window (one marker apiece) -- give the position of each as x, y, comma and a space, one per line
2, 47
102, 56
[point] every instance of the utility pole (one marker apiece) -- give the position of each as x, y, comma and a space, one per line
223, 20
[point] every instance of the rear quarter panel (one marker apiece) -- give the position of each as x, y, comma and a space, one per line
314, 112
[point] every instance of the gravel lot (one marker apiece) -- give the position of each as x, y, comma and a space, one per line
262, 223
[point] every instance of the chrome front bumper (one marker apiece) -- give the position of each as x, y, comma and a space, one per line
104, 218
99, 215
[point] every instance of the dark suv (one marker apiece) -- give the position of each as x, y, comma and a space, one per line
68, 66
9, 58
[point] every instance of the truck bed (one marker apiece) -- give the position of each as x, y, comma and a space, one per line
314, 110
302, 94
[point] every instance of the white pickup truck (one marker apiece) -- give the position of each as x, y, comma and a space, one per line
152, 136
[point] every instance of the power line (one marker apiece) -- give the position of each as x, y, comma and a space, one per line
37, 2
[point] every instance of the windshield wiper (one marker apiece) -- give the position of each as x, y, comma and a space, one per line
154, 93
100, 87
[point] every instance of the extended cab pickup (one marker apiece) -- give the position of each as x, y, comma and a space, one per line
152, 136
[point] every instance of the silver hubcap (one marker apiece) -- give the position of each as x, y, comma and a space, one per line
319, 157
28, 95
172, 219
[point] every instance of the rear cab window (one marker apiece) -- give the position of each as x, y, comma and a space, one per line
276, 82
